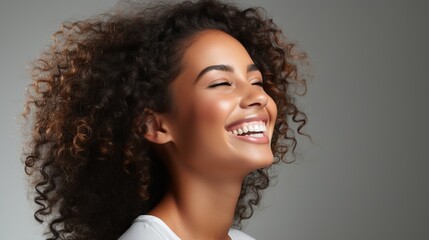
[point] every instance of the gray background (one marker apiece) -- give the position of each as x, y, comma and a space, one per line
366, 175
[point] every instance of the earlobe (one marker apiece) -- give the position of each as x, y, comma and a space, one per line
157, 129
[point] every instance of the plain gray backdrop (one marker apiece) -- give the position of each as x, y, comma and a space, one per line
366, 174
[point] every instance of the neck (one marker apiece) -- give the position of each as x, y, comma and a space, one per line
199, 208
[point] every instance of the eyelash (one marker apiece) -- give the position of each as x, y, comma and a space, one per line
259, 83
221, 84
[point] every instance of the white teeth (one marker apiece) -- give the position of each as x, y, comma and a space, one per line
245, 129
256, 128
251, 127
256, 135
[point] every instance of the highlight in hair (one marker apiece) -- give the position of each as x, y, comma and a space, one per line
92, 170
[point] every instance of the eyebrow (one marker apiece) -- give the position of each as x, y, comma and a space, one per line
226, 68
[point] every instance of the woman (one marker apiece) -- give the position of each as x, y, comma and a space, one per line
169, 116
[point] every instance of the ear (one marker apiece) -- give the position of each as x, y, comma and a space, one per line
158, 130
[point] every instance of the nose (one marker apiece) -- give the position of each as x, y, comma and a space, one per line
253, 96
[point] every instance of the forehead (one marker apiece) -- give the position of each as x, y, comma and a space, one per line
211, 47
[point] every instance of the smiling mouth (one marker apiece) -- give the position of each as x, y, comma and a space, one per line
254, 129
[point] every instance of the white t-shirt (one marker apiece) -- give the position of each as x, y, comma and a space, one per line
152, 228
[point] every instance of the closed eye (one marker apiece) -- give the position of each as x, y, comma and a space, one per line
220, 84
259, 83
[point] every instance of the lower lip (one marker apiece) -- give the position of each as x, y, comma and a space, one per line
259, 140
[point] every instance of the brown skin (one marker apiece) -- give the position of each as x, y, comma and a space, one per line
207, 163
89, 161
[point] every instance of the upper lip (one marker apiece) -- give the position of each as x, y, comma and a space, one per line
251, 118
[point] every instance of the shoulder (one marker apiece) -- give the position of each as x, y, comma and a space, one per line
239, 235
148, 227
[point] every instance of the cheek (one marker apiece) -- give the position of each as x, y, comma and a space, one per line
203, 139
213, 112
203, 118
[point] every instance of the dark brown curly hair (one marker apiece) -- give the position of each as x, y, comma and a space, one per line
91, 167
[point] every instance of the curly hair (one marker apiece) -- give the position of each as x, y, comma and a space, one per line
92, 170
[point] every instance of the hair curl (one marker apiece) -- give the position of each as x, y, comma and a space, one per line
92, 170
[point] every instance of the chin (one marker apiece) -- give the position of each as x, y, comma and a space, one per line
265, 163
258, 162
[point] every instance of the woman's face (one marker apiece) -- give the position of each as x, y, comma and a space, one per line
222, 120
